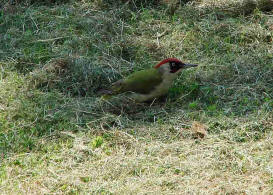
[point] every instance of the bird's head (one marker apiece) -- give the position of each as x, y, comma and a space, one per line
173, 66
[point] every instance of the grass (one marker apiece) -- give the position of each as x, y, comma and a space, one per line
57, 136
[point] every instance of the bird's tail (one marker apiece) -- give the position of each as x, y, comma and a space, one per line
105, 94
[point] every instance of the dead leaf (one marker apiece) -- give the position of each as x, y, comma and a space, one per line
199, 130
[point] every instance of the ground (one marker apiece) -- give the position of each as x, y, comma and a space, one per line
211, 135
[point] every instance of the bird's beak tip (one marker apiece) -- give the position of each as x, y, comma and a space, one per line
190, 65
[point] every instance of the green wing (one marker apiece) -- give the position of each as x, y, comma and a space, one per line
142, 81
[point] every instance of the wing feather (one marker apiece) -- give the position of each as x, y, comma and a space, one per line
142, 82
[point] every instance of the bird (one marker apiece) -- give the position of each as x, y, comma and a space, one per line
147, 85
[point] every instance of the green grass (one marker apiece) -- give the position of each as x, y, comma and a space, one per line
57, 136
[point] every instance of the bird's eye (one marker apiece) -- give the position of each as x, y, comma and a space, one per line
172, 64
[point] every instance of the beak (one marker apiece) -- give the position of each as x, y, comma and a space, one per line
189, 65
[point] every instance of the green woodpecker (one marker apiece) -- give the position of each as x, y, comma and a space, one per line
155, 82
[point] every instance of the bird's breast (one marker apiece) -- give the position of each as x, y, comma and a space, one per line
163, 87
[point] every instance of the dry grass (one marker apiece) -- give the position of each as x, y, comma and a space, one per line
130, 165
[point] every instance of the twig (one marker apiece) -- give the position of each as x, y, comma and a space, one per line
48, 40
159, 35
180, 98
34, 23
152, 102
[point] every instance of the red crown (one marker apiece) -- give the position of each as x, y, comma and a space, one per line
166, 61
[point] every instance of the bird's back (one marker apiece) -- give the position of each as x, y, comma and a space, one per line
142, 82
